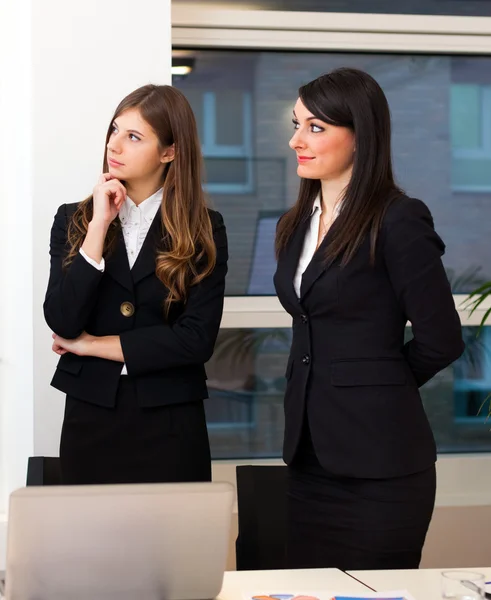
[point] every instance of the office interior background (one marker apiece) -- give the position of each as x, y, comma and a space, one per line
63, 70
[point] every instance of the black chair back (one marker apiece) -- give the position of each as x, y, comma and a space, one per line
43, 470
261, 499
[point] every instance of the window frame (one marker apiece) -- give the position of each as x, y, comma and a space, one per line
462, 477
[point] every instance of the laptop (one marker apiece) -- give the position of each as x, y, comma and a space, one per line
118, 542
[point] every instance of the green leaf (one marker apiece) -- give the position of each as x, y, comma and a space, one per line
475, 299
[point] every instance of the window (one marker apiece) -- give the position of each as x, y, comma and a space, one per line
224, 119
227, 144
441, 115
470, 129
263, 257
441, 111
246, 383
422, 7
246, 386
473, 381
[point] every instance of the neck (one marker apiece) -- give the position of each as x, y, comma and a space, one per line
139, 191
333, 191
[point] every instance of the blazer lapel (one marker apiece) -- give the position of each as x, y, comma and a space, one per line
316, 267
287, 266
117, 265
145, 263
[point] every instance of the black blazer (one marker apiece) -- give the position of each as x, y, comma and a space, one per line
349, 367
165, 357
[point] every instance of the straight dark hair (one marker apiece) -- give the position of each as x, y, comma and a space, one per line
349, 98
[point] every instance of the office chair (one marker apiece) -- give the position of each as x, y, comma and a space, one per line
261, 500
43, 470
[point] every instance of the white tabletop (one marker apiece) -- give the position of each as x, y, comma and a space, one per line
238, 583
423, 584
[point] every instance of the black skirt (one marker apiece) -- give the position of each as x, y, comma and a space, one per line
130, 444
355, 524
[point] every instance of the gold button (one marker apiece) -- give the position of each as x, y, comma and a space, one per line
127, 309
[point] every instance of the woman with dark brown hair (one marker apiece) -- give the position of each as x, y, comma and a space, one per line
135, 299
357, 260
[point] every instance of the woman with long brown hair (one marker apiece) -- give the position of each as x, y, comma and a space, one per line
135, 299
357, 260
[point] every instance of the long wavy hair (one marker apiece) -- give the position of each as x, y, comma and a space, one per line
187, 253
353, 99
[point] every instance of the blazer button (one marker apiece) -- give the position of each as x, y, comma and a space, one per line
304, 318
127, 309
306, 359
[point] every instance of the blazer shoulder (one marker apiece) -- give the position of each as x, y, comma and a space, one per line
409, 221
71, 208
216, 218
407, 209
66, 211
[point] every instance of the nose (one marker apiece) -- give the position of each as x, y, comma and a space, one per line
114, 144
296, 142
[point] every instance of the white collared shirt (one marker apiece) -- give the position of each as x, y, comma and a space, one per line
135, 223
310, 242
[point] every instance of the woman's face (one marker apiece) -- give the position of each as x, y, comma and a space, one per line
324, 151
133, 150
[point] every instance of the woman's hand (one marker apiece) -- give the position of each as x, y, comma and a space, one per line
79, 346
109, 195
106, 346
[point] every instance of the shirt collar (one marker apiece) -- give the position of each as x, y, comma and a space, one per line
317, 205
148, 208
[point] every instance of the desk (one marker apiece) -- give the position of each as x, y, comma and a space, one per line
236, 583
423, 584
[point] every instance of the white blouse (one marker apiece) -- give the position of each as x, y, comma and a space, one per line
310, 242
135, 223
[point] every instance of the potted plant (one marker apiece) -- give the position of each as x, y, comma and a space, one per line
476, 298
472, 303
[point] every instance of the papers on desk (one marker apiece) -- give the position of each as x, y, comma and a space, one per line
327, 595
398, 595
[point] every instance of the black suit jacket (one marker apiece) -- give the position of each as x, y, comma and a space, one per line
165, 356
348, 364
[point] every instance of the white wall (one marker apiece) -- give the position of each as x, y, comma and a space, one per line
64, 66
86, 57
16, 308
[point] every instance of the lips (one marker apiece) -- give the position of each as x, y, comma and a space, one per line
114, 163
304, 159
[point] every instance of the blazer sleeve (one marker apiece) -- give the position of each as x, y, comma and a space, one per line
72, 291
412, 252
191, 339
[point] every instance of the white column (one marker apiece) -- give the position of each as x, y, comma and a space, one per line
16, 251
64, 68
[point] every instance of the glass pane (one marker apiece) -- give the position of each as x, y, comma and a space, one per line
230, 118
195, 98
465, 116
457, 400
428, 115
418, 7
246, 385
226, 170
472, 172
263, 259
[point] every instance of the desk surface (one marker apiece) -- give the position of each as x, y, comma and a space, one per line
423, 584
237, 583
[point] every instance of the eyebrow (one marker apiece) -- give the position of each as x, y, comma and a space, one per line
129, 130
308, 118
